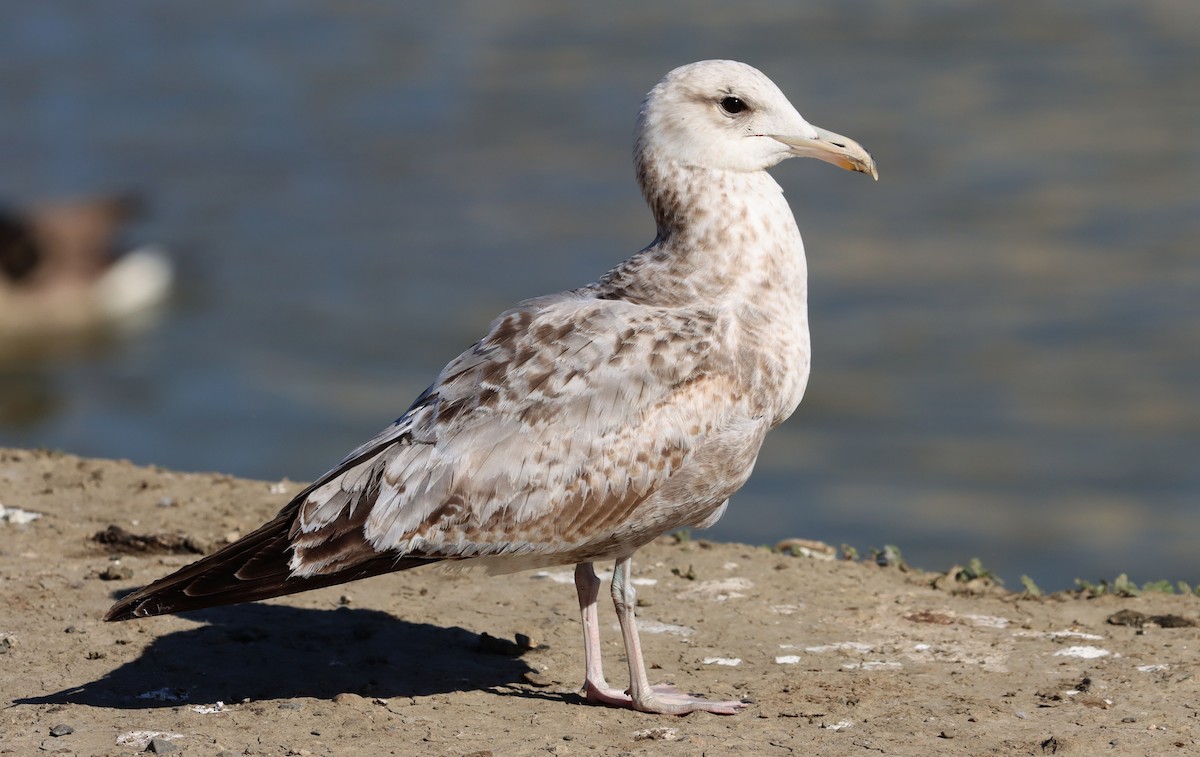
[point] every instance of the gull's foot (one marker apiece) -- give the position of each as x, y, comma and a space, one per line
667, 700
606, 695
664, 699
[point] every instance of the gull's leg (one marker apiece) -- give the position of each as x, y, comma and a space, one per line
587, 586
665, 700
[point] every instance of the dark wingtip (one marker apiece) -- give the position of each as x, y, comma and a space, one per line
130, 607
119, 611
125, 609
170, 595
254, 567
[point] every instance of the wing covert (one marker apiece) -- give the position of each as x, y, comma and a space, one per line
549, 430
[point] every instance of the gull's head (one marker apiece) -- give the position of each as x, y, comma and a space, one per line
727, 115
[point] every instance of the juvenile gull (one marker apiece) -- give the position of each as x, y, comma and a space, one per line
586, 423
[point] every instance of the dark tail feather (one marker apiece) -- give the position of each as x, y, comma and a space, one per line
254, 567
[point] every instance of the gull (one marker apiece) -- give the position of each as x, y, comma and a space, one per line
589, 422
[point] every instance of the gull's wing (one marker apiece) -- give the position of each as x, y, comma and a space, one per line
544, 436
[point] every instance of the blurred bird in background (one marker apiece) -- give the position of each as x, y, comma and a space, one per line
61, 268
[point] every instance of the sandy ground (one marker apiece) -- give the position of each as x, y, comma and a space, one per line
837, 657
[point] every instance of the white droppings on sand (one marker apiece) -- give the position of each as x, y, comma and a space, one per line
838, 726
873, 665
1153, 668
1063, 634
139, 740
989, 655
987, 621
784, 609
657, 734
719, 590
208, 709
1087, 653
840, 646
17, 516
730, 661
787, 659
1068, 634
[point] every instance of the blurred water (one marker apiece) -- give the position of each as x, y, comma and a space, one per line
1006, 326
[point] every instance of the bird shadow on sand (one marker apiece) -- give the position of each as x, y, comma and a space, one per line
262, 651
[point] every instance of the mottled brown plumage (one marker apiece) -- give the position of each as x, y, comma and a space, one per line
589, 422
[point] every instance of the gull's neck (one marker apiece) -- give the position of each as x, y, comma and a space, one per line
727, 249
723, 236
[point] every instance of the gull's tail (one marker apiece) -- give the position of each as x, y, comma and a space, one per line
254, 567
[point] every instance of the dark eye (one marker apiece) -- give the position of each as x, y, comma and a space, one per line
733, 105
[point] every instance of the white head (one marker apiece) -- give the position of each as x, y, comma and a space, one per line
727, 115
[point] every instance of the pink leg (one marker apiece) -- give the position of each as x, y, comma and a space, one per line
662, 699
587, 586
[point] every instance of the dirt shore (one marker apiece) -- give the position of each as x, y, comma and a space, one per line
837, 657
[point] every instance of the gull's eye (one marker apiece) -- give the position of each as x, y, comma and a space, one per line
733, 105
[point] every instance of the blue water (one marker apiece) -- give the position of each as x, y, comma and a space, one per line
1006, 327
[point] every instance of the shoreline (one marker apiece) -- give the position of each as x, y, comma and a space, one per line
836, 655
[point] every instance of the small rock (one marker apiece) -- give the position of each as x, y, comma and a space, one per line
889, 557
525, 641
817, 550
62, 729
947, 734
1131, 618
1135, 619
1172, 621
116, 572
159, 745
118, 540
347, 697
489, 644
534, 678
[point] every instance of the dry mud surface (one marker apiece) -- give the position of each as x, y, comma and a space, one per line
837, 657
